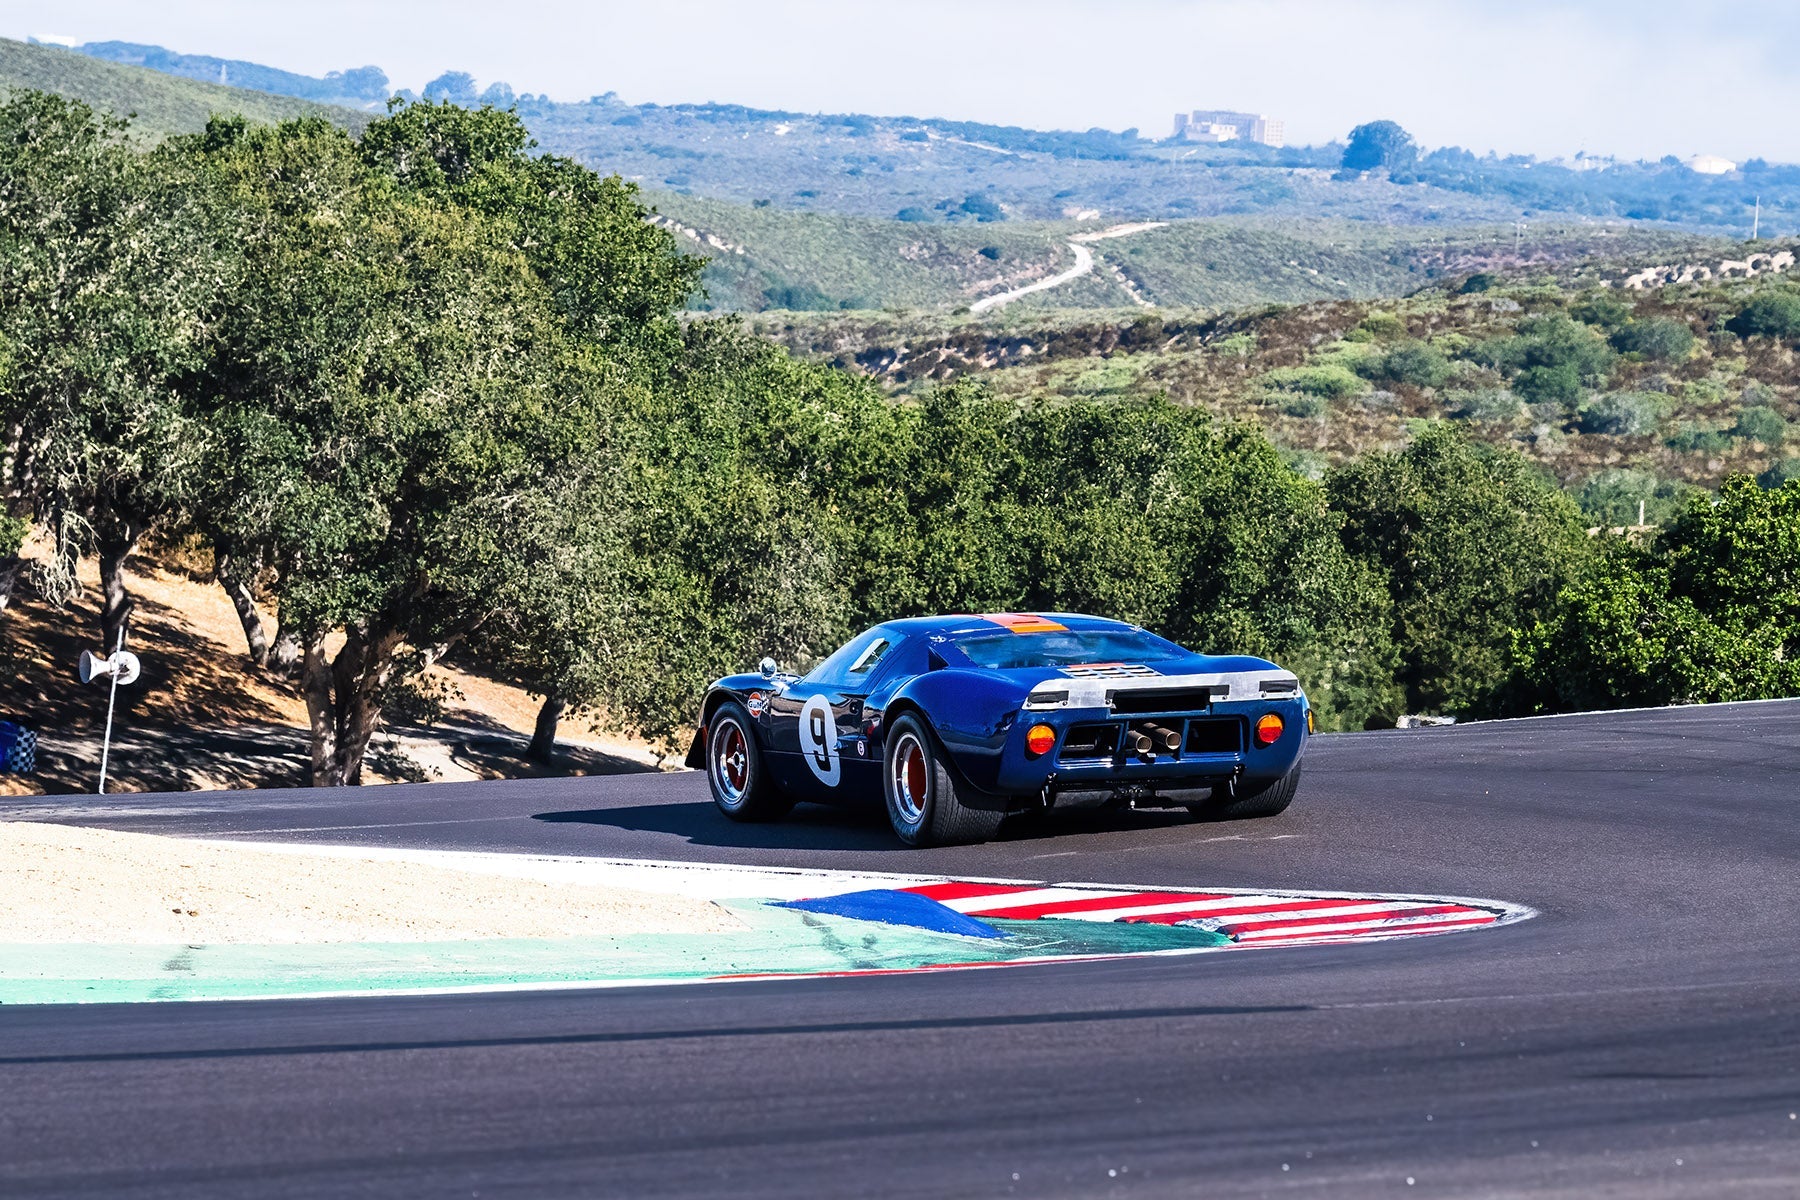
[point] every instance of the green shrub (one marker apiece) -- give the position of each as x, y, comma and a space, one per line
1331, 381
1658, 339
1698, 439
1108, 377
1238, 345
1772, 314
1550, 357
1783, 470
1347, 353
12, 535
1757, 392
1415, 363
1480, 281
798, 296
1452, 344
982, 208
1383, 325
1625, 414
1555, 384
1301, 404
1763, 425
1496, 405
1611, 498
1703, 393
1601, 308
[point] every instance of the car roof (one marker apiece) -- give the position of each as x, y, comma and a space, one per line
964, 624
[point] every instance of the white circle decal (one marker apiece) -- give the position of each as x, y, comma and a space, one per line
818, 735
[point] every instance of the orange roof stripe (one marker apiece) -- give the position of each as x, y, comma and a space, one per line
1024, 622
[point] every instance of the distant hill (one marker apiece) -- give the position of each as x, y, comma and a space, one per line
164, 104
929, 170
770, 258
831, 212
361, 87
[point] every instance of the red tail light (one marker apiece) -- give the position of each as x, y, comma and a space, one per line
1268, 729
1039, 739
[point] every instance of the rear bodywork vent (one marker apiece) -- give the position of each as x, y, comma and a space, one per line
1166, 700
1091, 741
1222, 735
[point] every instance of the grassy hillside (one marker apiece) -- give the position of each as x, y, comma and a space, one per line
1249, 261
773, 258
164, 104
1672, 387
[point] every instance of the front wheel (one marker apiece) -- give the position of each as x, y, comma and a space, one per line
740, 783
926, 802
1264, 798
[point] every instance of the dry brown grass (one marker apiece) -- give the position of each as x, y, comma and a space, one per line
202, 716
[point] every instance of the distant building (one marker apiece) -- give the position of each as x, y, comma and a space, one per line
1217, 125
1710, 164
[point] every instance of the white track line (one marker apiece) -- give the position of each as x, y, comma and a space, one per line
730, 881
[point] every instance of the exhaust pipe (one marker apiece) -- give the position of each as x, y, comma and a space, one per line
1139, 743
1161, 736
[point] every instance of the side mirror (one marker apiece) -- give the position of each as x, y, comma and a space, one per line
768, 668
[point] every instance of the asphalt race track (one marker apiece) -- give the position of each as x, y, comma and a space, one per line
1640, 1038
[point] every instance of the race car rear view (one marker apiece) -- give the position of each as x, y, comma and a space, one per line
954, 722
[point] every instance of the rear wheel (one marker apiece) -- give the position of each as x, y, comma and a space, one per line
926, 801
740, 784
1264, 798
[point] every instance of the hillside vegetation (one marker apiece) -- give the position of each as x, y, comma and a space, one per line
163, 104
770, 258
1621, 394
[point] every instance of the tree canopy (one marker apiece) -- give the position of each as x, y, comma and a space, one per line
1710, 612
1472, 543
1382, 145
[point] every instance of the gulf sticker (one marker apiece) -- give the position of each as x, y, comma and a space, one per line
1023, 622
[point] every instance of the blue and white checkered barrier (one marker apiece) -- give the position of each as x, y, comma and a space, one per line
18, 749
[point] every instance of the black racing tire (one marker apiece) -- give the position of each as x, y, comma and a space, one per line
735, 770
1264, 798
927, 802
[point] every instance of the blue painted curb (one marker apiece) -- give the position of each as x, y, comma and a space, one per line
897, 908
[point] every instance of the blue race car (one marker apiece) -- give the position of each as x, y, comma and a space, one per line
955, 722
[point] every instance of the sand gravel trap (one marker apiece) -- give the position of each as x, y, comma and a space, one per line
59, 883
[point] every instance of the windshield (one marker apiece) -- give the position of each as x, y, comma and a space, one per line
1066, 648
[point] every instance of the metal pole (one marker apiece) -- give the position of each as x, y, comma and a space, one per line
112, 694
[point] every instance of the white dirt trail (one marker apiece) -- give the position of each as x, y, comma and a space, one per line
1084, 263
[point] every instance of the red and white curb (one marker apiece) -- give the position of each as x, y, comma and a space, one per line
1248, 918
1251, 918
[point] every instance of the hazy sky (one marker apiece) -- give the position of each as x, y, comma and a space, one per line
1635, 78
